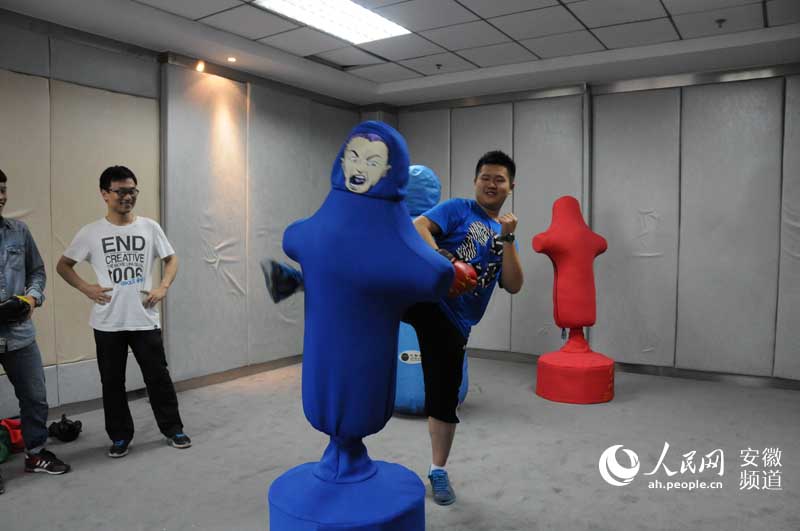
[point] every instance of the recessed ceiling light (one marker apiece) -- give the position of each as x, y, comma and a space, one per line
201, 66
342, 18
231, 59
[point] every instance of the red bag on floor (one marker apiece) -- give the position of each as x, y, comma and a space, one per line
14, 427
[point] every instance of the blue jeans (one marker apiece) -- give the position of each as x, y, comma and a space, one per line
24, 369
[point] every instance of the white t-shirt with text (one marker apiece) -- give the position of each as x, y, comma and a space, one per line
122, 257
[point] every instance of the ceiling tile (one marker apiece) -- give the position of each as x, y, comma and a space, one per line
418, 15
350, 57
469, 35
740, 18
304, 41
495, 8
574, 43
372, 4
781, 12
637, 33
193, 9
537, 23
384, 73
442, 63
678, 7
498, 54
249, 22
402, 47
597, 13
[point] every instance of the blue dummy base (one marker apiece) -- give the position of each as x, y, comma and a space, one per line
393, 499
409, 398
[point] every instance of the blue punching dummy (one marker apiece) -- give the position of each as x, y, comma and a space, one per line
363, 265
424, 192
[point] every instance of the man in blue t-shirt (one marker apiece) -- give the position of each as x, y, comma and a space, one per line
471, 230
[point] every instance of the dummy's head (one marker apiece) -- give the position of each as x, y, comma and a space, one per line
424, 189
372, 162
365, 162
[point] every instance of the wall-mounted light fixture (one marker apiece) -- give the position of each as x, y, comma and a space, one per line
201, 66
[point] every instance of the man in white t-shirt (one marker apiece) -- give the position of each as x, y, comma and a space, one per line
122, 249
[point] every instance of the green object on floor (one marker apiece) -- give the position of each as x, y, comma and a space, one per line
5, 444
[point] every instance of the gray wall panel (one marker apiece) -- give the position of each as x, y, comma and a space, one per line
428, 136
24, 51
730, 203
787, 343
474, 131
96, 67
205, 217
635, 202
80, 381
380, 116
279, 166
329, 129
548, 143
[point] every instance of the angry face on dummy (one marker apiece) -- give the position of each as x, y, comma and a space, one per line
365, 162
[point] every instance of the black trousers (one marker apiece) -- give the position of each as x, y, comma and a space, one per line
441, 347
112, 357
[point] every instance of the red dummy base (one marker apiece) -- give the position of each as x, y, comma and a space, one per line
575, 374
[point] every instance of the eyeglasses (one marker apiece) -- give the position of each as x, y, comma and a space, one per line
122, 192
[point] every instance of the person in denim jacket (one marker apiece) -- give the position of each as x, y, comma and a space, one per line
22, 275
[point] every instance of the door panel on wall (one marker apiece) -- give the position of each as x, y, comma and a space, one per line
329, 129
548, 143
428, 136
730, 204
279, 168
474, 131
91, 130
635, 207
787, 343
25, 159
206, 220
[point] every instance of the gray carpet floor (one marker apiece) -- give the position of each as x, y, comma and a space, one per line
519, 462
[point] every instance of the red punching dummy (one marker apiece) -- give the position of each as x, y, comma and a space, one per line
575, 373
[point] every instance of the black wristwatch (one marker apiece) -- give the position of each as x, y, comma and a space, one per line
506, 238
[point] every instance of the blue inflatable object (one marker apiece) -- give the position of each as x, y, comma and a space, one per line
363, 265
424, 192
424, 189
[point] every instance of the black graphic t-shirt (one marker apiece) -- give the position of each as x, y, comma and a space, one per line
122, 258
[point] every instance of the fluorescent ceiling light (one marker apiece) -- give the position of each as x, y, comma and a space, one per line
342, 18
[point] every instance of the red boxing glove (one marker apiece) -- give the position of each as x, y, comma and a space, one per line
464, 279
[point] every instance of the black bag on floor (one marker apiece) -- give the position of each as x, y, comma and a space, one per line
65, 430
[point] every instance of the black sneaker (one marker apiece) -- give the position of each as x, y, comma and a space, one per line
282, 281
179, 440
119, 448
45, 461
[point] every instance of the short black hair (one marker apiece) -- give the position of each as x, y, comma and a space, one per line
499, 158
115, 173
3, 177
